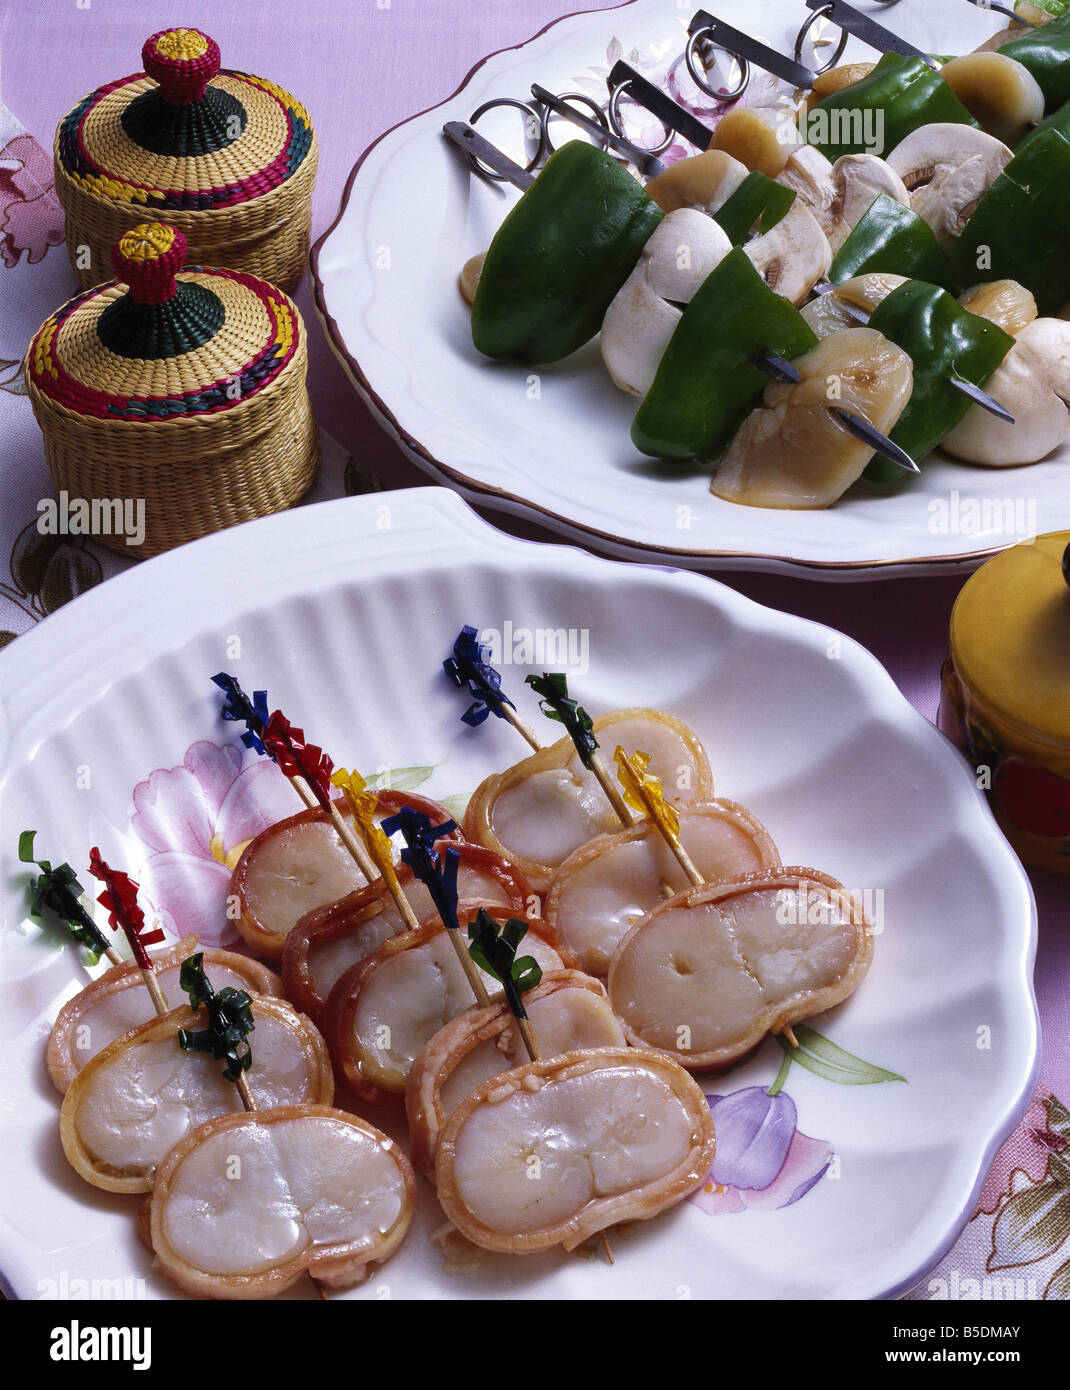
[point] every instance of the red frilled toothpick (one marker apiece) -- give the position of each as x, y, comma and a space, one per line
124, 914
305, 763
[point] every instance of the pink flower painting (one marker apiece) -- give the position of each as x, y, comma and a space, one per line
196, 819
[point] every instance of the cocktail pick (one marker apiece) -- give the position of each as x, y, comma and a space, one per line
642, 791
254, 715
437, 870
362, 802
230, 1020
124, 914
238, 706
493, 949
306, 763
555, 703
58, 890
469, 666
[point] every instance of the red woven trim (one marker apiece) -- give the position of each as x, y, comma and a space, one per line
182, 81
104, 405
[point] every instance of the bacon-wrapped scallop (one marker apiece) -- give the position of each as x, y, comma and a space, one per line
605, 887
568, 1011
143, 1093
538, 811
247, 1202
116, 1002
707, 974
558, 1150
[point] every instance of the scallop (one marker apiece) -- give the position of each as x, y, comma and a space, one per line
142, 1094
541, 809
382, 1012
326, 942
568, 1011
607, 885
300, 864
794, 452
117, 1001
707, 974
246, 1203
558, 1150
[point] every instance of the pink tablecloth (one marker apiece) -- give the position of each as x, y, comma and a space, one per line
361, 68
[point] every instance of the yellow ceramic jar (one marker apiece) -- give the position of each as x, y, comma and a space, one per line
1006, 693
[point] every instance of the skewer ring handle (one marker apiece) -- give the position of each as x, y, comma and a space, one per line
546, 115
804, 32
613, 111
536, 129
698, 70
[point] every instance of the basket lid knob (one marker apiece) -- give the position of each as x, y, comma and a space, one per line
147, 258
183, 62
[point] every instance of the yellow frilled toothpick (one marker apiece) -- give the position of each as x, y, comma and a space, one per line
642, 791
362, 802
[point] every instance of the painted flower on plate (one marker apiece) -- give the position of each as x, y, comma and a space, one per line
196, 819
763, 1160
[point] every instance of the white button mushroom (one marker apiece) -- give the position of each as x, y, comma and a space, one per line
646, 309
947, 169
792, 256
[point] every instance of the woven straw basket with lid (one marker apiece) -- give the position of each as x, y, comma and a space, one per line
228, 158
186, 391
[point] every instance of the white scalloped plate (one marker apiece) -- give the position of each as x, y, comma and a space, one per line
347, 626
386, 292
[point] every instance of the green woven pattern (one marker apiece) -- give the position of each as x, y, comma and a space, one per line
184, 322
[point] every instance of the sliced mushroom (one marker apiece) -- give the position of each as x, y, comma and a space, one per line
706, 975
116, 1001
849, 304
703, 181
809, 175
127, 1107
1001, 94
1004, 302
792, 256
556, 1151
947, 169
793, 452
1033, 382
643, 315
248, 1202
568, 1010
602, 890
858, 179
758, 137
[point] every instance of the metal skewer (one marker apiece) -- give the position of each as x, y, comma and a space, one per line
647, 163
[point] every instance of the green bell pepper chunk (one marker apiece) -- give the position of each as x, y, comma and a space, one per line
1045, 52
942, 340
560, 256
891, 238
1054, 7
873, 115
758, 199
1021, 227
707, 381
